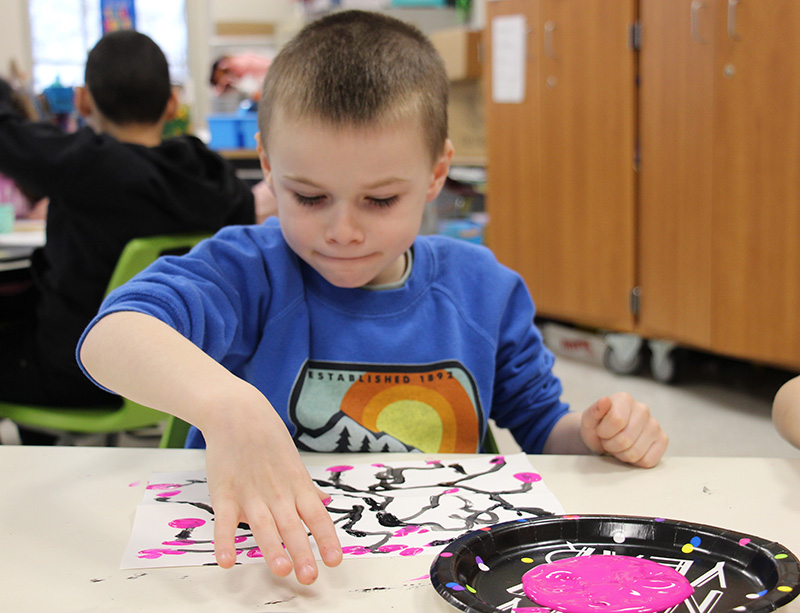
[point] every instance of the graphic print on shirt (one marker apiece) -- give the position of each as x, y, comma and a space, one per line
431, 408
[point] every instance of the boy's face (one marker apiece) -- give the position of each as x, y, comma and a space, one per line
351, 200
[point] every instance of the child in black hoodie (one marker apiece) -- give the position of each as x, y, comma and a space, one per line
107, 184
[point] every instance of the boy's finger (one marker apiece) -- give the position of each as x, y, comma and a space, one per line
226, 518
295, 537
321, 527
269, 542
595, 413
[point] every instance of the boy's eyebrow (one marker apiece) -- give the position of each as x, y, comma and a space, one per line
376, 185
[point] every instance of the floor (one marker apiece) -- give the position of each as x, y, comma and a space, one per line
717, 408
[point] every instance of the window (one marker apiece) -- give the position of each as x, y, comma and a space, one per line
63, 32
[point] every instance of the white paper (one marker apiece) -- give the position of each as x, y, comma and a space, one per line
407, 508
509, 35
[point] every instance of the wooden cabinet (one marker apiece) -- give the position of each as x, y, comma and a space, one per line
719, 205
561, 182
708, 230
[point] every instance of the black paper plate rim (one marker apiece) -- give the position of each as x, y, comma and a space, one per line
780, 561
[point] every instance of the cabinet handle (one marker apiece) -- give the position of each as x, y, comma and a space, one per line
697, 5
549, 40
733, 6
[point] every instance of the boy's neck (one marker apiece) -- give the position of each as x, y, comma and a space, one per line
148, 135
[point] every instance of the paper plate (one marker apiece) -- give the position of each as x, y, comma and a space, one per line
482, 570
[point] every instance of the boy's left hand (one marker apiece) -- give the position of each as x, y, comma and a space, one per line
620, 426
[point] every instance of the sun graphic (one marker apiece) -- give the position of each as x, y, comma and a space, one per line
435, 415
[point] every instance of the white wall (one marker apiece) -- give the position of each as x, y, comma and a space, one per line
14, 36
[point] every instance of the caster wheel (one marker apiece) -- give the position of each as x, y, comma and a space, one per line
623, 355
663, 361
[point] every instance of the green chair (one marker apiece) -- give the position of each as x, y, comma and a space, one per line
111, 421
175, 432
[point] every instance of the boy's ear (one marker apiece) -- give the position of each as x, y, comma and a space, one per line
264, 161
83, 101
171, 110
440, 170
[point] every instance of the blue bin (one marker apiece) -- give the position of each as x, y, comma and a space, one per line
225, 132
248, 126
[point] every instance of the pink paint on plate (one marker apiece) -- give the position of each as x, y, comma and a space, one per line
607, 584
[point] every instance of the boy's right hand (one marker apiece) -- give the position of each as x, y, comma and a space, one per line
255, 475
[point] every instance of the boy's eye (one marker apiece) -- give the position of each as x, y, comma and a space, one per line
308, 200
383, 202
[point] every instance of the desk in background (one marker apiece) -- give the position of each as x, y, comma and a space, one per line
66, 515
16, 247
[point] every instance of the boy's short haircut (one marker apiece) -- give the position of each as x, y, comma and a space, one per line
358, 69
128, 78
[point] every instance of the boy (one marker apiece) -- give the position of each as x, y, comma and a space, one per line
786, 411
106, 186
337, 328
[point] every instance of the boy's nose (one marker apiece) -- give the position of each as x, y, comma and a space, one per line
343, 226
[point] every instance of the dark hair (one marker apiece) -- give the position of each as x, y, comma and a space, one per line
358, 69
128, 78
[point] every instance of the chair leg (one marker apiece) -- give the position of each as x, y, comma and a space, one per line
9, 433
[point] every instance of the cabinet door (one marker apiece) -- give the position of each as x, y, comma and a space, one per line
676, 143
588, 115
756, 193
512, 142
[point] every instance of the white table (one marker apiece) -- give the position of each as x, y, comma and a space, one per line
17, 246
66, 515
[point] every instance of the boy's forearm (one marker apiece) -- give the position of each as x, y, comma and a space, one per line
147, 361
565, 437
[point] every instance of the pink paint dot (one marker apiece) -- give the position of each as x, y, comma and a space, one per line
339, 469
528, 477
451, 491
171, 493
406, 530
423, 531
356, 550
163, 486
254, 553
152, 554
433, 461
134, 484
497, 460
391, 548
240, 539
422, 578
378, 465
412, 551
446, 554
187, 522
744, 541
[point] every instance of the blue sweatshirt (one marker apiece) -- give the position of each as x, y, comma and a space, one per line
417, 368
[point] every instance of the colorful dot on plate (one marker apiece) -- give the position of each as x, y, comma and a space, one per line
744, 541
446, 554
695, 541
485, 529
784, 588
471, 589
781, 556
571, 516
527, 560
659, 519
481, 564
455, 586
687, 548
619, 537
740, 609
751, 596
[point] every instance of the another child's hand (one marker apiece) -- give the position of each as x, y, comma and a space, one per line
255, 475
620, 426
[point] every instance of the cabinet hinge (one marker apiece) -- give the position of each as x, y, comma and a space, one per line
635, 36
634, 300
